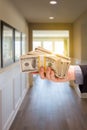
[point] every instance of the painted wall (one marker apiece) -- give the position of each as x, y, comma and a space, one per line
9, 14
80, 38
15, 82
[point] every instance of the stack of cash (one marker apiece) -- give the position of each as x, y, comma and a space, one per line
33, 60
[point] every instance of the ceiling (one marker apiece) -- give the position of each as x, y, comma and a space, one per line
38, 11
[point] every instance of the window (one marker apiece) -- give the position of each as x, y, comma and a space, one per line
12, 44
17, 45
36, 44
0, 44
48, 45
23, 43
53, 40
7, 45
59, 47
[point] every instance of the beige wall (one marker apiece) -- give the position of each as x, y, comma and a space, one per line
15, 82
50, 26
80, 38
10, 15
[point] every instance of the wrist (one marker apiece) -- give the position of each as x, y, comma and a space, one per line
71, 73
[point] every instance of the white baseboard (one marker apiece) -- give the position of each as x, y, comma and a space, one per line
13, 115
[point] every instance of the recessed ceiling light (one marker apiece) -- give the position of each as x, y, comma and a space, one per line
51, 17
53, 2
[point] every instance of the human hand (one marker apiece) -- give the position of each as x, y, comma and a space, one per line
50, 75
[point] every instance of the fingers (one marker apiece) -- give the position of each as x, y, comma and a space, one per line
41, 72
53, 77
48, 73
56, 79
45, 74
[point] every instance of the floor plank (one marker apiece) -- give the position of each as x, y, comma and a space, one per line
51, 106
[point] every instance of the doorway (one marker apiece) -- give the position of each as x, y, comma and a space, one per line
53, 40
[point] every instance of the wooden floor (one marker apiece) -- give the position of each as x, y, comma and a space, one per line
51, 106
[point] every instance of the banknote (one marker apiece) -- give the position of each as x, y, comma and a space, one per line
45, 51
33, 60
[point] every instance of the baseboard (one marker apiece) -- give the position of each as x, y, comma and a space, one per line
13, 115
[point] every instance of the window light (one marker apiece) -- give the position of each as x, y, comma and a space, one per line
51, 17
53, 2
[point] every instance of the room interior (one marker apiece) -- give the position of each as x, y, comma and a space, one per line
16, 87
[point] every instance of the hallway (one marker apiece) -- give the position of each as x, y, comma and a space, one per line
51, 106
